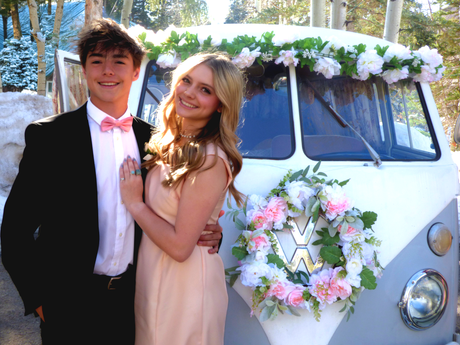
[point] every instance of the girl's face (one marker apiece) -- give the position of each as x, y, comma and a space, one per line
196, 100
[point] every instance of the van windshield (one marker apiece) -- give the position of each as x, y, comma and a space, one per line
391, 118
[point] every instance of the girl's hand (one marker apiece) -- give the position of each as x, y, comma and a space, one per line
131, 185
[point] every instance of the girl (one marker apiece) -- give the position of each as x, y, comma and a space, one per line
181, 295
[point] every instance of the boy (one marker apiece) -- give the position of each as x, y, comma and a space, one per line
79, 274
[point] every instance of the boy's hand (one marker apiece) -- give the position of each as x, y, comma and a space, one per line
212, 240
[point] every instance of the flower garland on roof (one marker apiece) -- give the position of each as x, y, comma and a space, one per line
348, 246
330, 57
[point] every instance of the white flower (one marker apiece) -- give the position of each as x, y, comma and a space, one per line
333, 46
328, 67
287, 57
266, 57
251, 273
290, 38
368, 62
394, 75
170, 59
368, 252
278, 273
334, 201
354, 267
353, 280
309, 54
246, 57
258, 202
257, 256
298, 193
430, 57
427, 76
401, 52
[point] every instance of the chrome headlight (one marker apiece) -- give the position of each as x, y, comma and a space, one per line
424, 299
439, 239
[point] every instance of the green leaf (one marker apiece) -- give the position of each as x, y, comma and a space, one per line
305, 172
343, 309
368, 218
239, 224
233, 279
368, 279
266, 313
239, 252
326, 238
275, 259
316, 167
292, 311
331, 254
343, 183
295, 175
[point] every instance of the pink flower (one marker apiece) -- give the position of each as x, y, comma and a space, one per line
276, 211
280, 290
339, 286
320, 287
336, 202
259, 243
260, 220
351, 234
295, 297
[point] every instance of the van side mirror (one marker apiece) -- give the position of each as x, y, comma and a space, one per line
457, 130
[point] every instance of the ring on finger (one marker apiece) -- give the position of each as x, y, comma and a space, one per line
122, 179
138, 171
132, 172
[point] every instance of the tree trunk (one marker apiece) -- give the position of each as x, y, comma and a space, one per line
338, 14
93, 11
49, 7
393, 20
1, 85
5, 27
15, 20
40, 39
57, 23
126, 12
318, 13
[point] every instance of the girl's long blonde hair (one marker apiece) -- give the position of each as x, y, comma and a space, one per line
219, 131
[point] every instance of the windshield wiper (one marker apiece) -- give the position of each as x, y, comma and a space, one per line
374, 155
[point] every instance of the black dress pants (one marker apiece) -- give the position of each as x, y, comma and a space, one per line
103, 317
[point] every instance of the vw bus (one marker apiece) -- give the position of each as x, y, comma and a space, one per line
386, 138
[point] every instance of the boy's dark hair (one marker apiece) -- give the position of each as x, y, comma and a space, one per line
107, 36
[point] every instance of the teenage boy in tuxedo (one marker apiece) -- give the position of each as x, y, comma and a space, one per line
79, 274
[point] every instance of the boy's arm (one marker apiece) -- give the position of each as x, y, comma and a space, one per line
21, 219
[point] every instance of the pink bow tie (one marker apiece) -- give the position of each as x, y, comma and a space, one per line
108, 123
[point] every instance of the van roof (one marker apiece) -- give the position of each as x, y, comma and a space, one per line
229, 31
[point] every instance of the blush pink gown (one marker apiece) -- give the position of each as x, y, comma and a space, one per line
179, 303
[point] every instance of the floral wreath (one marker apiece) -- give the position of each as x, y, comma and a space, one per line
330, 58
349, 247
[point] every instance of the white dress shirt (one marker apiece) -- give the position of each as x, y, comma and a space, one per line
116, 225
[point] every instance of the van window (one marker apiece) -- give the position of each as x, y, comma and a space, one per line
391, 118
265, 127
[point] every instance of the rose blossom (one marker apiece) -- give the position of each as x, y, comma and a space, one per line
328, 67
336, 202
399, 51
246, 57
295, 298
394, 75
353, 280
354, 266
352, 234
276, 212
280, 289
298, 192
258, 202
287, 57
368, 62
259, 243
431, 57
251, 273
257, 217
170, 59
339, 286
319, 287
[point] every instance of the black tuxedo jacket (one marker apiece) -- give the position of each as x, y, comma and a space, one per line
56, 191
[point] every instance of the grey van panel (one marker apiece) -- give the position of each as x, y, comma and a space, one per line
377, 319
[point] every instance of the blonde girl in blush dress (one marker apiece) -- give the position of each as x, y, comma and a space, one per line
181, 296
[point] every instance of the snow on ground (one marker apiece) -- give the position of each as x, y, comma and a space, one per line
17, 110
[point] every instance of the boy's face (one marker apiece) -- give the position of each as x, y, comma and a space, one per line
109, 76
